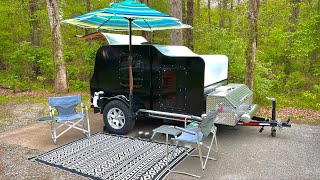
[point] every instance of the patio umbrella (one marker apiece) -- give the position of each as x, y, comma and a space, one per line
127, 15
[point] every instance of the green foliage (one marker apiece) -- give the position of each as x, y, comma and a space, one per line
27, 64
78, 85
295, 81
223, 42
312, 96
263, 81
286, 61
316, 88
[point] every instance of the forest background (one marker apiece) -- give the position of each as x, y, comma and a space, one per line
287, 62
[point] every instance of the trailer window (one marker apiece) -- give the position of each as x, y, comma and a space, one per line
137, 71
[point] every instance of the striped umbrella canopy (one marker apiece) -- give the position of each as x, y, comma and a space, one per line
127, 15
119, 15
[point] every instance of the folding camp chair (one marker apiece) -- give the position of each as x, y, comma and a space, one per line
196, 136
67, 115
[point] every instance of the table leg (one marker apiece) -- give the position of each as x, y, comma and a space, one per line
167, 139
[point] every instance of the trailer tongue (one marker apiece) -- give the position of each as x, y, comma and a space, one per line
273, 122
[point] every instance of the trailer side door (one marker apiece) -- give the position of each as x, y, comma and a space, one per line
172, 94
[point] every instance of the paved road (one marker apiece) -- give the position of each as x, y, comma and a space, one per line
244, 153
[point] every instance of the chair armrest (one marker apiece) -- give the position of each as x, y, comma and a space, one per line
185, 130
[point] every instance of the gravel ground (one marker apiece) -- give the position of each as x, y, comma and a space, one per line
244, 153
20, 114
14, 164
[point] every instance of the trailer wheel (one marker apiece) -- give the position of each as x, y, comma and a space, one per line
116, 118
273, 132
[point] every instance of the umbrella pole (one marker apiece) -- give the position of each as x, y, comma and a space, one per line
130, 69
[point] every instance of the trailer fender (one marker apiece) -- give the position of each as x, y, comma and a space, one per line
121, 98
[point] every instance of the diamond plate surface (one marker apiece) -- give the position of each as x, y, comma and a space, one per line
232, 101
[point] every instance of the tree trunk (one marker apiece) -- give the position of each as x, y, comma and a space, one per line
293, 23
209, 14
293, 20
176, 11
252, 41
190, 22
34, 22
183, 10
89, 9
61, 85
198, 7
239, 16
231, 12
146, 34
223, 8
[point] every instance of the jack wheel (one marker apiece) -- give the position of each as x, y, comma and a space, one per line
273, 132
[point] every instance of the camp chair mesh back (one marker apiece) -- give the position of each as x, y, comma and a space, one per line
208, 122
66, 106
67, 115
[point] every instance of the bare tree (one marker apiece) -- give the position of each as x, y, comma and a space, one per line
190, 22
34, 22
252, 41
61, 85
176, 11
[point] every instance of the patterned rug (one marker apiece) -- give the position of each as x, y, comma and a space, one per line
106, 156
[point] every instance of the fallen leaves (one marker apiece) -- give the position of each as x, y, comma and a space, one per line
296, 114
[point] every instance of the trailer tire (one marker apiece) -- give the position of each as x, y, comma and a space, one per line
116, 118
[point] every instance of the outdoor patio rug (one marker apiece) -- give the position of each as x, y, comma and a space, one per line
106, 156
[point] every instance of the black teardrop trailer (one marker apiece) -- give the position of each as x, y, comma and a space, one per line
170, 82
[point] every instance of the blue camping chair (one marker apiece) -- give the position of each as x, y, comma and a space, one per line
67, 115
196, 135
